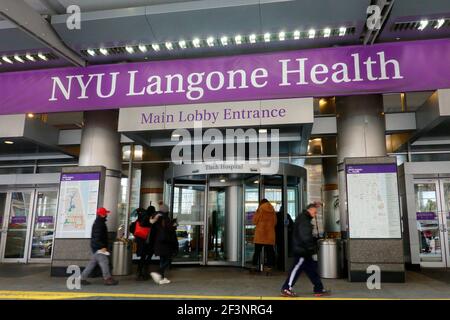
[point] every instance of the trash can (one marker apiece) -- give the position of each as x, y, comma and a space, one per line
329, 259
121, 258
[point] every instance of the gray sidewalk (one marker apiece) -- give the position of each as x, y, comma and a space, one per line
219, 282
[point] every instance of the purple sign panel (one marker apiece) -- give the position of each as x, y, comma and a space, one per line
44, 219
80, 176
426, 216
371, 168
19, 220
380, 68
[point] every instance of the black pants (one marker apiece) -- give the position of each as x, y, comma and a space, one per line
164, 263
308, 265
268, 253
143, 263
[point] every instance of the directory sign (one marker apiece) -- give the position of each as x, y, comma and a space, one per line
373, 201
77, 205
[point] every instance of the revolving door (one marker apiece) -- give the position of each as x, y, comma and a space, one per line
214, 211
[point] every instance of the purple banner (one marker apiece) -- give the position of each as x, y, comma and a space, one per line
18, 220
426, 216
80, 176
371, 168
380, 68
44, 219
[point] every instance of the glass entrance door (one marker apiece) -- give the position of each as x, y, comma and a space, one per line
251, 202
432, 201
444, 185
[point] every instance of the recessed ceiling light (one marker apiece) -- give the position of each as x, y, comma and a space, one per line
440, 23
282, 36
30, 115
210, 41
42, 56
156, 47
143, 48
223, 180
129, 49
18, 59
169, 45
267, 37
238, 39
30, 57
311, 33
182, 44
252, 38
91, 52
256, 181
224, 41
296, 34
326, 32
423, 24
104, 51
6, 59
8, 142
342, 31
196, 42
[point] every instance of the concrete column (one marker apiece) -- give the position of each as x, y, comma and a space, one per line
360, 133
100, 146
330, 192
233, 201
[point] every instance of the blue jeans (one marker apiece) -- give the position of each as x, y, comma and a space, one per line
308, 265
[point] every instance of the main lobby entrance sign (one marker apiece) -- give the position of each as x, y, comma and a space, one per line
381, 68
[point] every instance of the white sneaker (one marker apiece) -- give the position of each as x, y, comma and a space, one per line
156, 277
164, 281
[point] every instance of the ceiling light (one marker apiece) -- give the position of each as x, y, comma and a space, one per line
210, 42
252, 38
267, 37
91, 52
182, 44
18, 59
224, 41
169, 45
282, 36
30, 57
156, 47
42, 56
129, 49
8, 142
256, 181
143, 48
104, 51
439, 24
196, 42
311, 33
30, 115
6, 59
262, 130
238, 39
223, 180
423, 24
326, 32
296, 34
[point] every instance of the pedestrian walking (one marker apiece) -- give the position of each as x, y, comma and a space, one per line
265, 220
165, 244
100, 252
304, 246
144, 246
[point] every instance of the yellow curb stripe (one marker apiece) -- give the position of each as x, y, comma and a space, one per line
55, 295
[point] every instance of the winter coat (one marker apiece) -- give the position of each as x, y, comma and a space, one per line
265, 220
164, 236
99, 235
303, 242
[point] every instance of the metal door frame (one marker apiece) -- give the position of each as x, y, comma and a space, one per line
443, 227
41, 260
439, 210
6, 223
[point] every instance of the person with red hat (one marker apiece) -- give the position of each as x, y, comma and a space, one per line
99, 246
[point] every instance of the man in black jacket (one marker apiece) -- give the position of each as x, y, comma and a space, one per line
100, 253
304, 246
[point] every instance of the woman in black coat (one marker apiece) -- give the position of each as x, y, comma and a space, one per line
165, 244
144, 248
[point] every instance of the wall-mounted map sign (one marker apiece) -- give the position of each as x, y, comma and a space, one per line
77, 205
373, 201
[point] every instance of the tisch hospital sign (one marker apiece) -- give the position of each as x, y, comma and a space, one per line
392, 67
